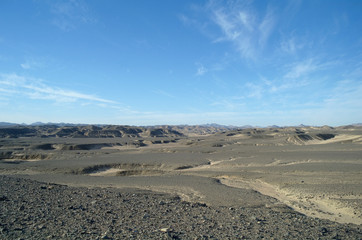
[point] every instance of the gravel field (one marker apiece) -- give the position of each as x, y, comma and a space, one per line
35, 210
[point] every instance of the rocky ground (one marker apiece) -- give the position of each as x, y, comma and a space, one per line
34, 210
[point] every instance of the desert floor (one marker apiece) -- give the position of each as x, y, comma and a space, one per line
313, 171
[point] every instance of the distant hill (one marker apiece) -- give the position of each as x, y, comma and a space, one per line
7, 124
85, 131
39, 129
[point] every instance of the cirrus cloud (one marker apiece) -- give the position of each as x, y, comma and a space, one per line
246, 30
37, 89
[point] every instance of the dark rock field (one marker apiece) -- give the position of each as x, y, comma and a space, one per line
34, 210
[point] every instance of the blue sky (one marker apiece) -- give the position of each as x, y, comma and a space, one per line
181, 62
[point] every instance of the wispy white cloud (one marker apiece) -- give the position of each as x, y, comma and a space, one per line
246, 20
355, 71
287, 85
163, 93
37, 89
248, 31
68, 15
291, 45
25, 65
229, 103
201, 70
306, 67
42, 91
11, 80
193, 22
238, 34
301, 68
346, 94
31, 64
266, 27
255, 90
298, 74
264, 88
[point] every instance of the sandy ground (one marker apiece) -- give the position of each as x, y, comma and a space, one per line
318, 177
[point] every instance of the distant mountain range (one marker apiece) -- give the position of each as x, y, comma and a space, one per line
208, 125
84, 131
8, 124
39, 129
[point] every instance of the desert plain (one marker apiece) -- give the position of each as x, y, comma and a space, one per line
314, 173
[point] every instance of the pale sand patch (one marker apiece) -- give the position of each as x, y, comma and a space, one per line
314, 206
106, 172
239, 136
339, 138
14, 160
164, 145
113, 171
279, 162
148, 146
33, 160
212, 163
207, 166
